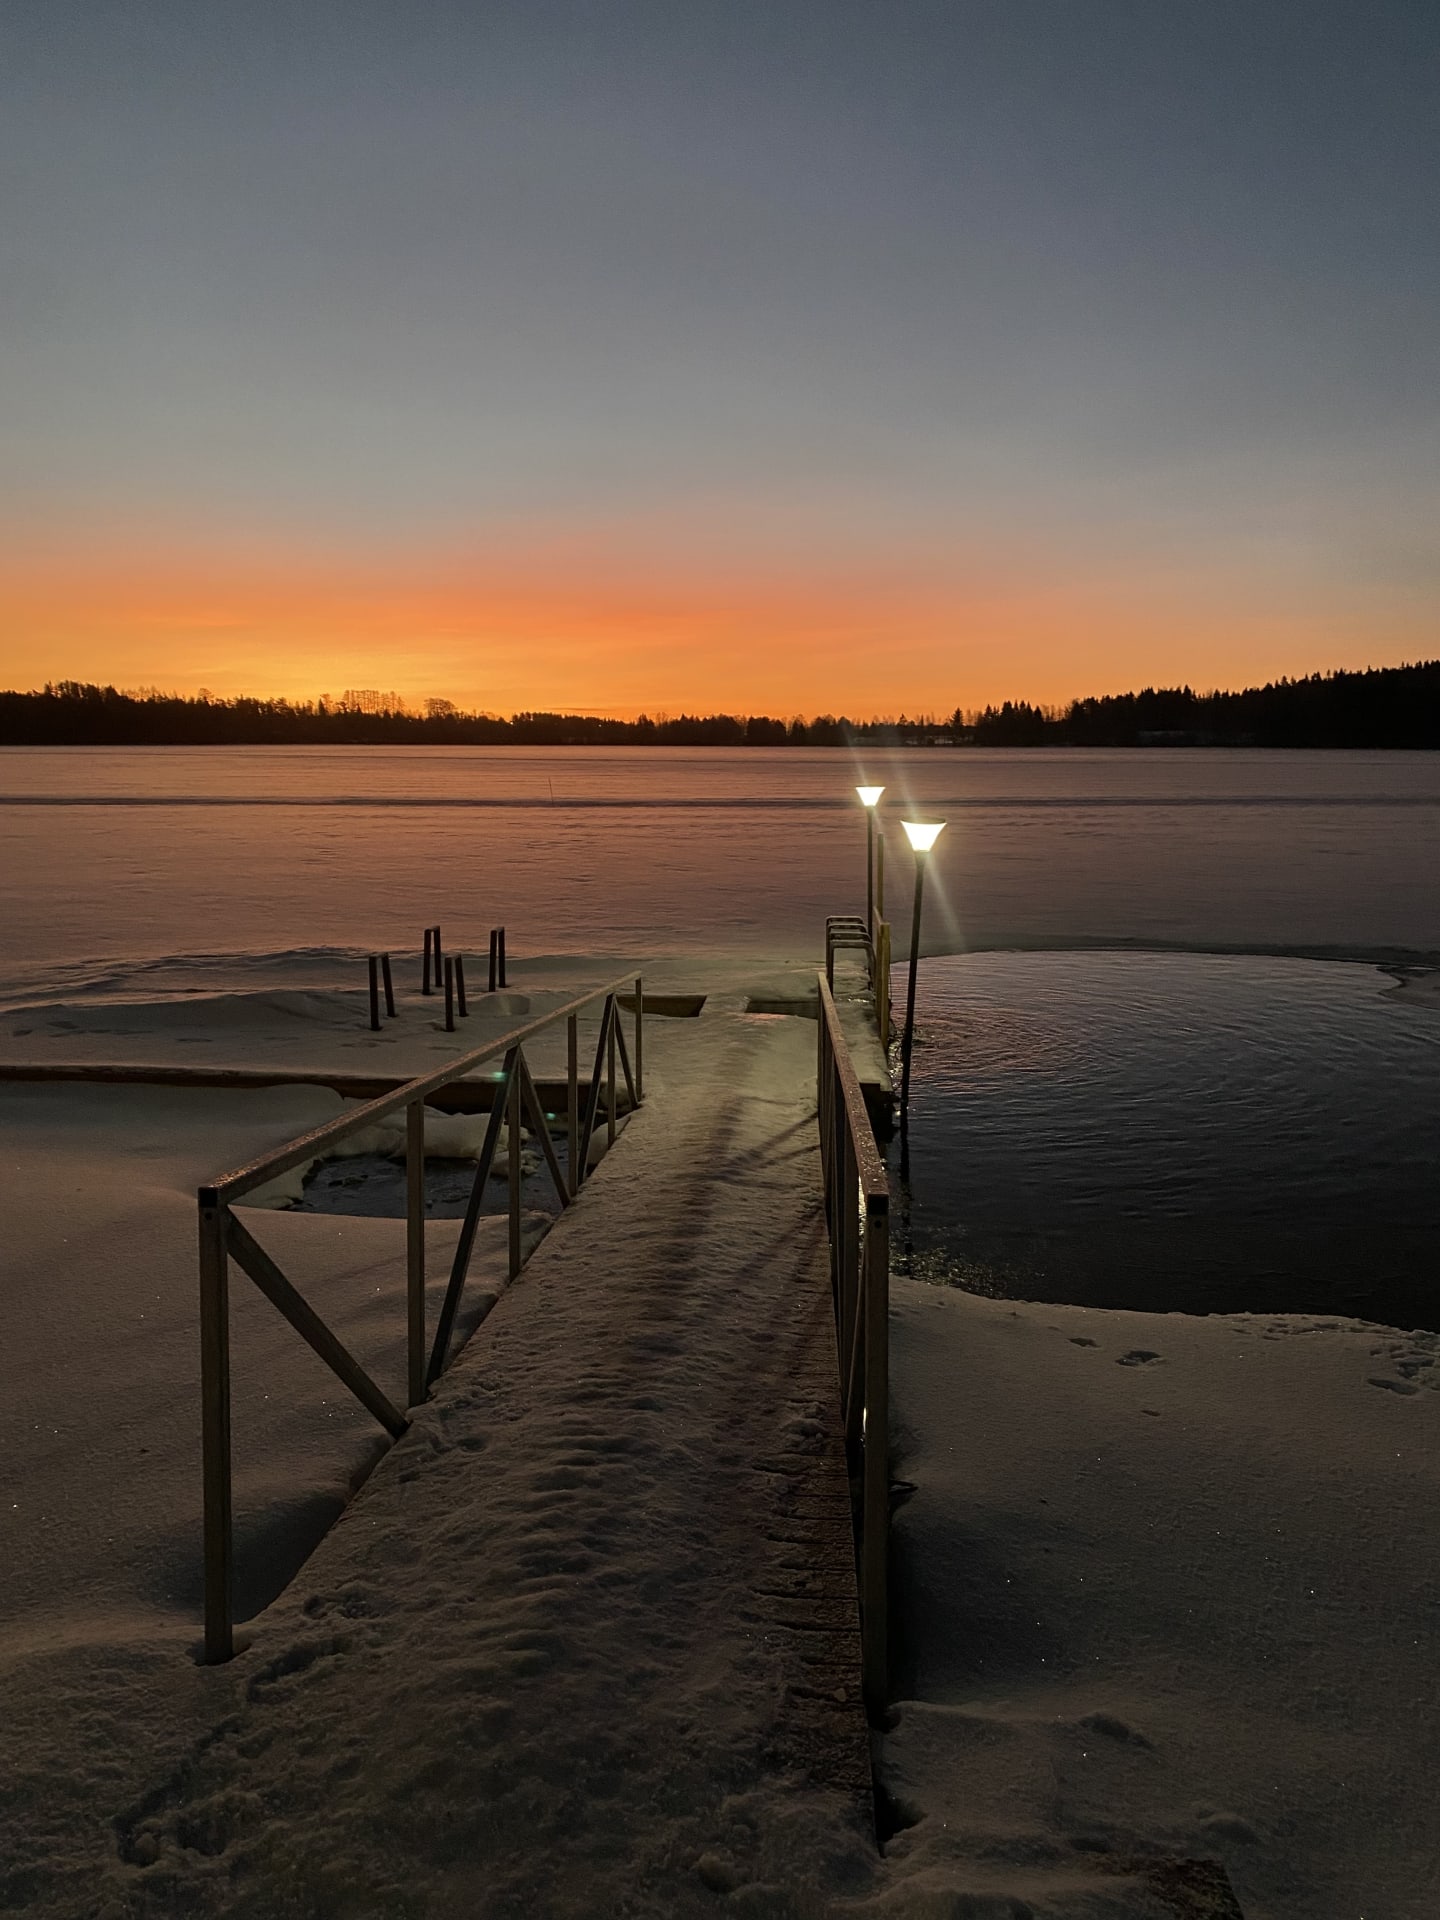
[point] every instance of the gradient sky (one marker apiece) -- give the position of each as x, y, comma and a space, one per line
771, 355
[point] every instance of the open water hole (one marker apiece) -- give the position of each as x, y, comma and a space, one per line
1191, 1132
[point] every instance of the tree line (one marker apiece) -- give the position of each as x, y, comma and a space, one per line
1377, 707
75, 713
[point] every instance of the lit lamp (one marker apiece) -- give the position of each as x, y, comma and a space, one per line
869, 796
922, 836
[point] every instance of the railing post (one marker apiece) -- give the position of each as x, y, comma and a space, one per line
875, 1536
572, 1136
639, 1039
610, 1074
849, 1254
513, 1121
415, 1247
215, 1425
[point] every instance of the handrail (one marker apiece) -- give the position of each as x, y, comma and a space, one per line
857, 1214
223, 1238
231, 1185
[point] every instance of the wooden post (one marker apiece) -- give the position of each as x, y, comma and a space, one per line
415, 1247
610, 1078
389, 985
845, 1246
462, 1007
425, 975
577, 1172
639, 1038
374, 994
215, 1426
513, 1120
875, 1536
449, 994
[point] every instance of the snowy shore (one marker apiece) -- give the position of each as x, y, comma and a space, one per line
1166, 1587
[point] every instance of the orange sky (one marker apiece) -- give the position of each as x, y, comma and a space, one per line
558, 629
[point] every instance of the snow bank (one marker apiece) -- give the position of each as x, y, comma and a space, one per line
1166, 1586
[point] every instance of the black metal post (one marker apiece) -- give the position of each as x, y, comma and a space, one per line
435, 941
503, 980
374, 994
425, 976
494, 953
909, 1040
449, 994
389, 986
870, 871
461, 1007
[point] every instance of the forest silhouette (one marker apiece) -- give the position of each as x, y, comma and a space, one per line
1379, 707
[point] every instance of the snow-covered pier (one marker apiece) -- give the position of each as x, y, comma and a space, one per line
587, 1640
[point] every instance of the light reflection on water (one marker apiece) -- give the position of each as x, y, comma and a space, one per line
1175, 1131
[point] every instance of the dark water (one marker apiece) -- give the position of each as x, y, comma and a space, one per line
1175, 1131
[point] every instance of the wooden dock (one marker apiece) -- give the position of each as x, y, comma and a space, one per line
590, 1630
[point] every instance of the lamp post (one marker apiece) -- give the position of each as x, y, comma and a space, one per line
869, 796
922, 837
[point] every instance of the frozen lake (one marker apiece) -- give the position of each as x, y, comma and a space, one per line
115, 859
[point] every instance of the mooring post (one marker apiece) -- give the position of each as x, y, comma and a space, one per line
449, 994
389, 986
415, 1247
215, 1425
461, 1007
374, 993
425, 976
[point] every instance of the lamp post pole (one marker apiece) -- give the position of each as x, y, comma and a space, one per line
922, 838
869, 799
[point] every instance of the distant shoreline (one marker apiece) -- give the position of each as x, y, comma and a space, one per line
1377, 708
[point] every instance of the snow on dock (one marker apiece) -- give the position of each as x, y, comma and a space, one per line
586, 1641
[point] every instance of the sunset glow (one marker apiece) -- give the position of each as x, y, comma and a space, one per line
522, 632
820, 358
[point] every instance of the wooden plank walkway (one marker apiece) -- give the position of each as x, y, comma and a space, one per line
586, 1644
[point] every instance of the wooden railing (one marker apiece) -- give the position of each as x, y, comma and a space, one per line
224, 1238
849, 930
857, 1212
